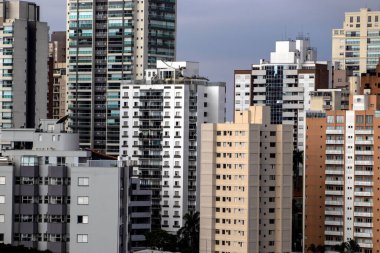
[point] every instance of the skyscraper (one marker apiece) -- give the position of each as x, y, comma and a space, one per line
356, 46
246, 185
160, 130
110, 43
284, 84
57, 76
23, 65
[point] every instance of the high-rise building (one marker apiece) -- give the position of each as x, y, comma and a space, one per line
160, 130
246, 185
284, 84
23, 65
57, 81
110, 43
340, 176
329, 100
369, 82
356, 45
53, 196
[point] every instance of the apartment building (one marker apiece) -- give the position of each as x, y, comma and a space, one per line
284, 84
160, 130
356, 45
57, 71
329, 100
110, 43
54, 197
23, 65
246, 184
242, 89
340, 176
369, 82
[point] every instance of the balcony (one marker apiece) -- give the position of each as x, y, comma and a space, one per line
363, 214
364, 142
363, 152
363, 224
335, 131
338, 213
333, 223
365, 235
334, 182
333, 232
362, 203
339, 193
363, 131
335, 142
363, 194
334, 162
363, 183
363, 173
334, 152
334, 172
363, 162
334, 202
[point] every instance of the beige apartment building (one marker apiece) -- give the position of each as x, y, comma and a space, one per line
356, 46
341, 157
246, 185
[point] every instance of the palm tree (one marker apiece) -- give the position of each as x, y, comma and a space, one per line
348, 247
189, 233
353, 246
341, 248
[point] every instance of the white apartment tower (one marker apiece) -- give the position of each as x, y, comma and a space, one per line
284, 84
23, 65
160, 128
110, 43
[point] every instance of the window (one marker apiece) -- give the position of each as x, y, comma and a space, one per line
2, 180
82, 219
83, 181
339, 119
359, 119
2, 218
2, 199
369, 119
29, 161
1, 237
82, 238
330, 119
82, 200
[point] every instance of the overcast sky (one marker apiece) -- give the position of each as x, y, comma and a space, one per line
224, 35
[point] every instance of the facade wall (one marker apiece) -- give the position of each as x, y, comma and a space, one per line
246, 185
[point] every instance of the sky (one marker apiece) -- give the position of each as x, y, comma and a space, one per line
224, 35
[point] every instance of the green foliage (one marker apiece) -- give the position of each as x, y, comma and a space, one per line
19, 249
348, 247
186, 240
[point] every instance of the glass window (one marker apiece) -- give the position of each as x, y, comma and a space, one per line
2, 199
339, 119
82, 200
83, 181
369, 119
29, 161
2, 218
2, 180
82, 219
330, 119
82, 238
359, 119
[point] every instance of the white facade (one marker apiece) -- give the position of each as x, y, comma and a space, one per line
285, 82
160, 128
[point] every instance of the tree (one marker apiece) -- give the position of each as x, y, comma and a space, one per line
353, 246
161, 240
321, 248
189, 234
348, 247
312, 248
19, 249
